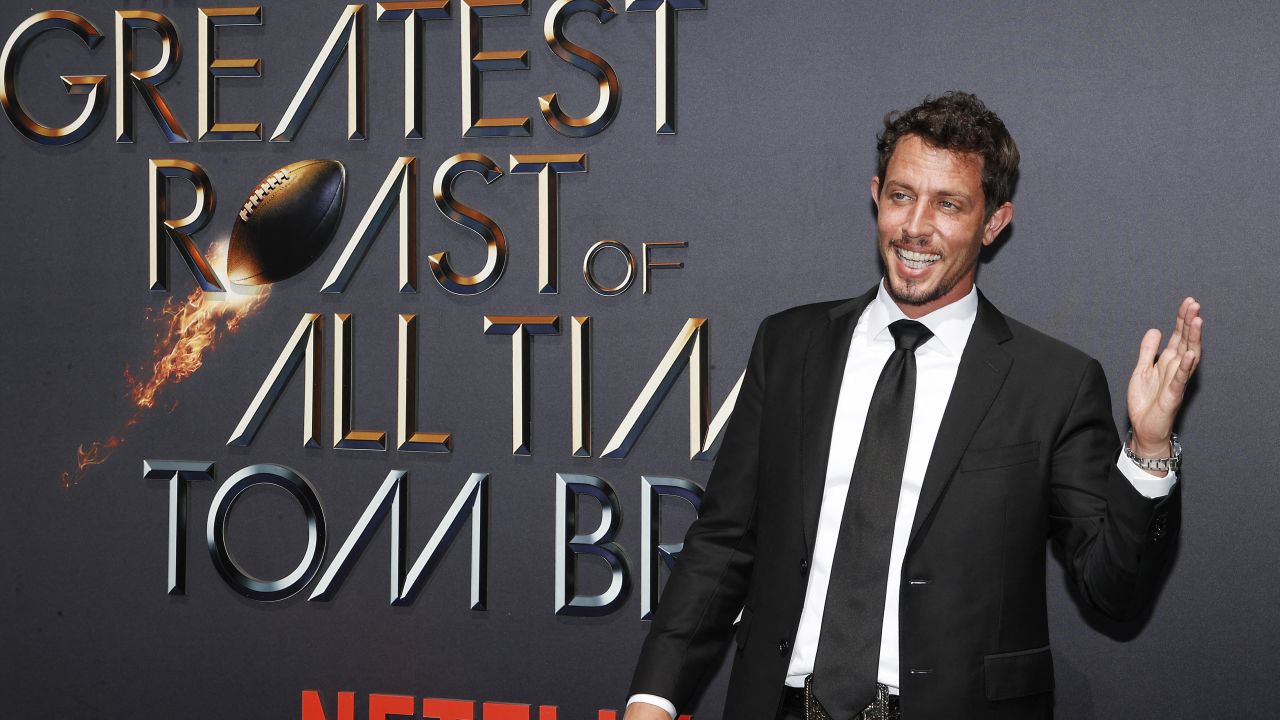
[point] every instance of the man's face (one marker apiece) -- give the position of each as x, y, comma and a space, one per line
930, 225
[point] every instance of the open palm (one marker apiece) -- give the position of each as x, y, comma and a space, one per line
1158, 384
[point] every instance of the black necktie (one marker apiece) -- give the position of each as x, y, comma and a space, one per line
848, 658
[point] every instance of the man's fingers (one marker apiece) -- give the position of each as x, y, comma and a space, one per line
1179, 322
1147, 350
1195, 330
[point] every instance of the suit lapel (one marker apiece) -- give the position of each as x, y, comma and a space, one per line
824, 364
983, 368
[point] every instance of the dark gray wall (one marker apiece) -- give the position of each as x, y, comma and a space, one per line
1148, 135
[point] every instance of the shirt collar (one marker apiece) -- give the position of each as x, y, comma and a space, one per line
949, 324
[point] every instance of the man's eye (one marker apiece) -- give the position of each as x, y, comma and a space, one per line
898, 195
947, 205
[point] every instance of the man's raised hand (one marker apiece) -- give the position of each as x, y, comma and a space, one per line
1158, 384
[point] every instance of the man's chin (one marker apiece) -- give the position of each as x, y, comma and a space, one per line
904, 293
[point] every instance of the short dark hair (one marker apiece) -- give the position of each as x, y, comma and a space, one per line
960, 122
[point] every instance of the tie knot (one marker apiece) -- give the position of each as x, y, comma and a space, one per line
909, 334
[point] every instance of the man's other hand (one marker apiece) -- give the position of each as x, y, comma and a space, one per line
1158, 384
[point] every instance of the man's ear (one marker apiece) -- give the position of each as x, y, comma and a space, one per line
999, 220
875, 190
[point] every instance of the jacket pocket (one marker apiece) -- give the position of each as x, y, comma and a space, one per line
997, 457
1018, 674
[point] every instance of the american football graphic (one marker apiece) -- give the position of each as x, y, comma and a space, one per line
286, 222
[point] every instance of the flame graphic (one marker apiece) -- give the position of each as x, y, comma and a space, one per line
188, 329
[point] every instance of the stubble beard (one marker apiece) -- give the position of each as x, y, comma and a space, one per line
912, 294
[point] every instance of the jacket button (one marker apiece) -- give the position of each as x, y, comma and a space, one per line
804, 566
784, 647
921, 672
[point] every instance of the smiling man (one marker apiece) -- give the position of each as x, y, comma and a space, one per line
878, 510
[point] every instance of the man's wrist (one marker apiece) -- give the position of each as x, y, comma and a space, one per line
1158, 462
1151, 449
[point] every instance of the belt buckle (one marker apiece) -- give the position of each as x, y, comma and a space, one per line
879, 709
813, 710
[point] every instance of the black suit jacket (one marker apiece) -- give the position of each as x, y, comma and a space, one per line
1026, 450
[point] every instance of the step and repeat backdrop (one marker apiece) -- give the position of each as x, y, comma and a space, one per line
368, 360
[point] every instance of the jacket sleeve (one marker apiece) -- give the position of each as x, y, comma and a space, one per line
1115, 542
708, 584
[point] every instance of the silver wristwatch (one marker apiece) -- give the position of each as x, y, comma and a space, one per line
1170, 464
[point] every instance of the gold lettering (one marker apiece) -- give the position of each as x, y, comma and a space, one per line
689, 348
408, 439
128, 22
95, 105
476, 61
164, 229
548, 169
400, 187
347, 35
665, 55
610, 92
409, 13
344, 438
494, 239
212, 68
305, 342
520, 327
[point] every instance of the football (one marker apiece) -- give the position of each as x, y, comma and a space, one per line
286, 222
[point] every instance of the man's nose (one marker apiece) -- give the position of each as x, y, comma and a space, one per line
919, 222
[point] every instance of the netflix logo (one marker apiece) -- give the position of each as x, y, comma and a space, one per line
390, 707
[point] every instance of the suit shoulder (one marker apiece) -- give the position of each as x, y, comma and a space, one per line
1044, 348
801, 316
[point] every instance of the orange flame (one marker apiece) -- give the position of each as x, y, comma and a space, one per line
188, 329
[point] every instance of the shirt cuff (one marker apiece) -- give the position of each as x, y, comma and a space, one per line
653, 700
1147, 485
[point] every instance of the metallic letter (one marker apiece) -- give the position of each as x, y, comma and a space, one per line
127, 23
178, 473
570, 544
393, 498
548, 169
476, 61
408, 439
583, 59
344, 438
348, 32
520, 327
472, 500
495, 240
410, 13
401, 186
212, 68
589, 261
95, 106
580, 380
305, 341
653, 552
689, 348
179, 230
649, 265
241, 581
665, 51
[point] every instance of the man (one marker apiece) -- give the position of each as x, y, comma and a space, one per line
879, 507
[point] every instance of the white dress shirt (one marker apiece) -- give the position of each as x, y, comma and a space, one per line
937, 361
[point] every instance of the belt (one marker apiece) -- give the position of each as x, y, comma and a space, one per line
884, 707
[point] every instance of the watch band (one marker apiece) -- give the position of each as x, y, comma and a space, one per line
1168, 464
